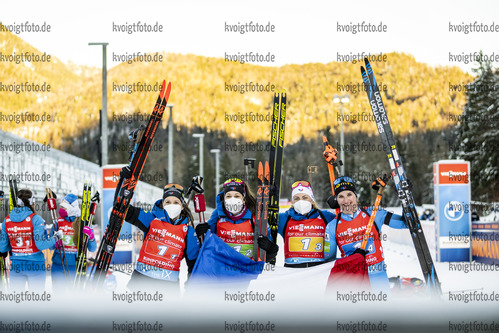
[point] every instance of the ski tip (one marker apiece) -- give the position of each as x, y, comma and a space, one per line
267, 170
283, 92
260, 171
162, 91
168, 91
362, 70
366, 61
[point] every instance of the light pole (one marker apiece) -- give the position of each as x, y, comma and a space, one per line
103, 115
342, 99
201, 140
217, 169
170, 144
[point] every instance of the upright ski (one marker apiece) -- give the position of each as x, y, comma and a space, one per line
12, 192
258, 213
275, 160
262, 209
88, 210
126, 187
400, 178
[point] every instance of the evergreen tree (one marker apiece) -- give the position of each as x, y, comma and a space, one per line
477, 138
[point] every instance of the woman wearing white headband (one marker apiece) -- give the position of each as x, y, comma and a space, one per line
303, 228
23, 233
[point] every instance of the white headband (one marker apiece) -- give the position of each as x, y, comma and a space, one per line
303, 190
20, 203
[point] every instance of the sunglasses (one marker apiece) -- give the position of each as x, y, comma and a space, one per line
233, 180
176, 186
303, 183
343, 179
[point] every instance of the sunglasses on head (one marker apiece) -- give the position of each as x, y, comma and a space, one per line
303, 183
343, 179
176, 186
233, 180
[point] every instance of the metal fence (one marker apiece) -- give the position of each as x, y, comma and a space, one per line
37, 166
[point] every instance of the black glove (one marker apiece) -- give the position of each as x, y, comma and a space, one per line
125, 172
333, 202
361, 251
266, 244
202, 228
3, 254
380, 181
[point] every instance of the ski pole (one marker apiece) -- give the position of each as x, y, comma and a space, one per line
247, 163
200, 208
378, 184
52, 207
330, 154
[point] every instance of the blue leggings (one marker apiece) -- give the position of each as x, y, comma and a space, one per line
59, 280
33, 272
378, 278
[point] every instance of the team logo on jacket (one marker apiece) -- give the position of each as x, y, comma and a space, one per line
28, 219
184, 228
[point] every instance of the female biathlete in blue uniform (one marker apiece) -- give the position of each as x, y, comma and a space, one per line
23, 233
348, 229
303, 228
233, 221
168, 238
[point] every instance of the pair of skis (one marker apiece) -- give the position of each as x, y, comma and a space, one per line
275, 161
400, 179
143, 140
52, 207
88, 210
262, 209
269, 181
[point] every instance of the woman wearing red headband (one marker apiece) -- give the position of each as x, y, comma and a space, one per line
233, 221
303, 228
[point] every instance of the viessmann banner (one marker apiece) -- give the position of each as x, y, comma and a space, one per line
452, 204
